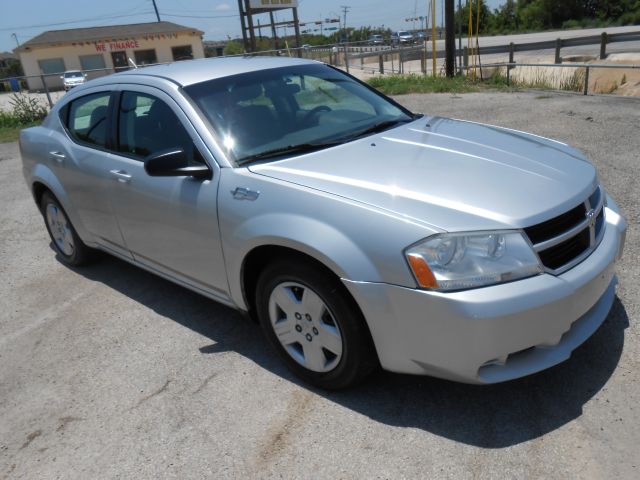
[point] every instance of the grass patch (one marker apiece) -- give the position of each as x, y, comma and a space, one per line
402, 84
11, 134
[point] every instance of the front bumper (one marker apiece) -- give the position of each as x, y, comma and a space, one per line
497, 333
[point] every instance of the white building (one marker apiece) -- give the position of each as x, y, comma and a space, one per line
102, 50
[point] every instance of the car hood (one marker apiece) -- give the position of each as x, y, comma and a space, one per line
450, 174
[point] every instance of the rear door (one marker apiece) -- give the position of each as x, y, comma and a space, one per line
170, 224
84, 164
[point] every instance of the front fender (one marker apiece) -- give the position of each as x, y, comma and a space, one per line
310, 236
354, 240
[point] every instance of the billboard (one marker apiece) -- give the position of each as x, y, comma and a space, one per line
258, 4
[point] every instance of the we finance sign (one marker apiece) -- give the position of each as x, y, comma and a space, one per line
258, 4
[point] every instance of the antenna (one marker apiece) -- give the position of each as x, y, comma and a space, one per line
132, 63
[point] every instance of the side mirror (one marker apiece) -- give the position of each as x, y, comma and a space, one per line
174, 163
84, 75
61, 77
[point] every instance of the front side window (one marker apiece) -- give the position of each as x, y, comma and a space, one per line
87, 119
147, 125
290, 108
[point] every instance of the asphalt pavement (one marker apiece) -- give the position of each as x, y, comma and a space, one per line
110, 372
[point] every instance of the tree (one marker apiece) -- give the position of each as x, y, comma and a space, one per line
486, 17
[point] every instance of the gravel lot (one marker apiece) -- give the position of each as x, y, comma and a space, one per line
110, 372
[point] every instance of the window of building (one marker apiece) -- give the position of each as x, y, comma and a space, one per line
87, 121
92, 62
182, 53
51, 65
145, 57
147, 125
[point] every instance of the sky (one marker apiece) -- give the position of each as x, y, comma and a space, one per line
218, 19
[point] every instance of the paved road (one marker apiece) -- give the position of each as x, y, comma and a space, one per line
519, 38
110, 372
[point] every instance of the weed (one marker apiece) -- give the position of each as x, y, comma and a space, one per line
27, 109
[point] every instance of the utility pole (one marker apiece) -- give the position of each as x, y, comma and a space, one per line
433, 36
460, 35
345, 9
155, 7
450, 38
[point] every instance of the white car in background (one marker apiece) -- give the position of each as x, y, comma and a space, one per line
72, 78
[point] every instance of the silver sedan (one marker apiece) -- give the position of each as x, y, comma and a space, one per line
357, 233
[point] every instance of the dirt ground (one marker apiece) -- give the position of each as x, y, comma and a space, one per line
111, 372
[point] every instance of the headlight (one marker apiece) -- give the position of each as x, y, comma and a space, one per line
456, 261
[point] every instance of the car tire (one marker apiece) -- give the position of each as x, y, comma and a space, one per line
314, 325
66, 242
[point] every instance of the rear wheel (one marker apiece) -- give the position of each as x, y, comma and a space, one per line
314, 325
66, 242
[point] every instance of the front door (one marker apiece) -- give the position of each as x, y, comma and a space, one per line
169, 224
119, 61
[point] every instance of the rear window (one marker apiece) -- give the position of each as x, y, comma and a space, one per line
87, 119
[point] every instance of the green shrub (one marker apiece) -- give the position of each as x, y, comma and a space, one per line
27, 109
8, 120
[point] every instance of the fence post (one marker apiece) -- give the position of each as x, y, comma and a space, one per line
346, 58
512, 49
381, 63
465, 57
586, 81
558, 47
603, 46
46, 90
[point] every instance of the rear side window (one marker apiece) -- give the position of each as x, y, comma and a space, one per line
87, 119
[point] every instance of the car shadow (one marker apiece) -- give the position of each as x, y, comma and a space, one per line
494, 416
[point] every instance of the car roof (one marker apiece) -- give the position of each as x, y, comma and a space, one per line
189, 72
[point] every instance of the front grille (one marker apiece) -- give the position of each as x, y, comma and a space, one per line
551, 228
563, 241
563, 253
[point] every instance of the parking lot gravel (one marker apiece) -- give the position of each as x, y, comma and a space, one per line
110, 372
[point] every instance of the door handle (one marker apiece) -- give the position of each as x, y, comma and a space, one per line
121, 176
57, 156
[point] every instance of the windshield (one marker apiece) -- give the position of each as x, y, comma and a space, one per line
72, 74
404, 34
291, 109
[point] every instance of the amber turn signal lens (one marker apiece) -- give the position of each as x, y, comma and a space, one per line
422, 271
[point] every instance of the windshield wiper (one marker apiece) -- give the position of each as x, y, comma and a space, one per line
276, 152
378, 127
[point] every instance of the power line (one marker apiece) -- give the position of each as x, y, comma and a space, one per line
68, 22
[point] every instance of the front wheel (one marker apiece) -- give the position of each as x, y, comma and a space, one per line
314, 325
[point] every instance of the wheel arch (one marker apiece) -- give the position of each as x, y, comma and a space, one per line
259, 257
43, 180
